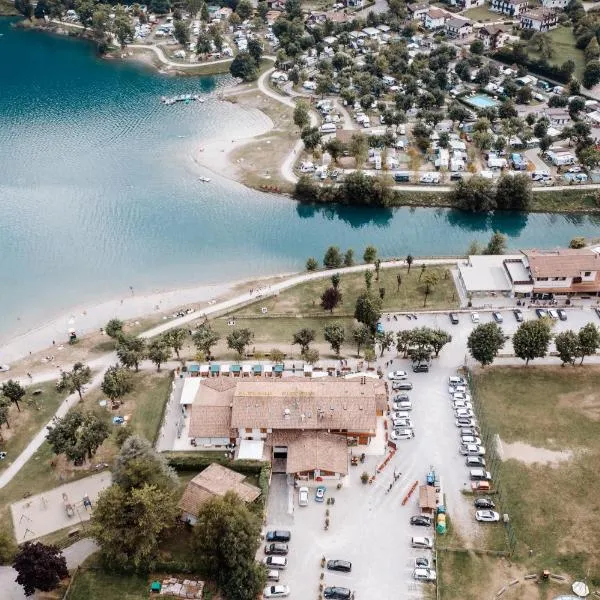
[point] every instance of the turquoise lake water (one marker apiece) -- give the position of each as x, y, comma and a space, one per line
98, 191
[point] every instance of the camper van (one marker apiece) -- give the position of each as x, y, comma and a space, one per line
402, 177
328, 128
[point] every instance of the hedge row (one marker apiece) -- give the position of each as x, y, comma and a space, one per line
191, 461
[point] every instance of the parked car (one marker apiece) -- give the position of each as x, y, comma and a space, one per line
453, 318
422, 542
463, 412
380, 328
497, 317
597, 311
469, 431
337, 593
475, 317
402, 434
562, 314
553, 314
518, 315
278, 536
278, 548
457, 389
273, 575
421, 520
276, 591
303, 496
456, 380
461, 404
320, 493
472, 450
399, 397
484, 503
470, 439
461, 396
421, 368
541, 313
402, 423
400, 414
480, 486
475, 461
479, 475
487, 516
397, 375
423, 562
402, 405
275, 562
465, 422
402, 385
424, 574
339, 565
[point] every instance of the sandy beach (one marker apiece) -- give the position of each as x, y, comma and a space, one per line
215, 155
87, 319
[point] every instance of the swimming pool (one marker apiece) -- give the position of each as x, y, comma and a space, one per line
481, 101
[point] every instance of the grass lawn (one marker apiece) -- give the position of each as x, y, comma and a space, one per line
554, 509
36, 411
482, 14
563, 42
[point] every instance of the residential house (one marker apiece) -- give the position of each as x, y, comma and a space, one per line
215, 481
541, 19
493, 36
436, 18
557, 4
558, 117
372, 33
358, 4
417, 11
512, 8
458, 28
466, 4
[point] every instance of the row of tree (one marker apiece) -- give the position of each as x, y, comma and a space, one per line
532, 340
478, 194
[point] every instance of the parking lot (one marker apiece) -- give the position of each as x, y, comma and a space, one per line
368, 525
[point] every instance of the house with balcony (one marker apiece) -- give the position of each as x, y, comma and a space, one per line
458, 28
511, 8
556, 4
436, 18
493, 36
417, 11
541, 19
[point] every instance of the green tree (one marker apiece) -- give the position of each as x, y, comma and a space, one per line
362, 336
244, 9
123, 29
117, 382
262, 9
409, 261
330, 299
255, 50
370, 355
589, 340
591, 74
333, 258
13, 391
138, 464
175, 338
403, 340
368, 310
131, 351
385, 341
370, 254
128, 524
532, 338
567, 346
349, 258
203, 45
25, 8
368, 280
39, 567
497, 244
311, 137
225, 523
577, 243
277, 356
160, 7
430, 280
304, 337
243, 66
439, 339
514, 192
484, 342
335, 280
78, 434
312, 264
335, 148
398, 281
359, 148
181, 32
377, 265
239, 339
310, 355
301, 115
114, 328
335, 336
474, 194
477, 47
159, 351
75, 380
205, 337
85, 12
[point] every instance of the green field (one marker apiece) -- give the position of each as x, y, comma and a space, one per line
482, 14
36, 411
554, 509
563, 43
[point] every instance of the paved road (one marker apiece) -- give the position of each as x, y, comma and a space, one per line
75, 555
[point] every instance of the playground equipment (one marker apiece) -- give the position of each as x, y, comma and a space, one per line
68, 506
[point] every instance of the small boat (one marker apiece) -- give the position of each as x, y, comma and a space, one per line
204, 179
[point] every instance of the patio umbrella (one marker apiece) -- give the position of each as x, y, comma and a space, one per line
581, 589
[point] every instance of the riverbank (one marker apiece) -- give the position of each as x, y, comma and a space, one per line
7, 9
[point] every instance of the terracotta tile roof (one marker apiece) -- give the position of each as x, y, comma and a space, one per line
312, 450
210, 421
215, 480
307, 404
566, 262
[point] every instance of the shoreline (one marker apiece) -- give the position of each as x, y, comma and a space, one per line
86, 319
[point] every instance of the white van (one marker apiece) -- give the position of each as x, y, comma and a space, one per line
422, 542
479, 475
275, 562
328, 128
